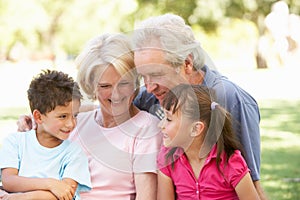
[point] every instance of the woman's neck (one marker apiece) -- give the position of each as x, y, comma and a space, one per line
109, 121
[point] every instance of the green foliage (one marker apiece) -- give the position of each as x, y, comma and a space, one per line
57, 26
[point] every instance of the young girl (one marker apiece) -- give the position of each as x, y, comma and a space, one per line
201, 158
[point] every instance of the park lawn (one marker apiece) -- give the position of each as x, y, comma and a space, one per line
280, 136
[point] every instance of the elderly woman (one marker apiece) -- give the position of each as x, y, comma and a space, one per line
120, 140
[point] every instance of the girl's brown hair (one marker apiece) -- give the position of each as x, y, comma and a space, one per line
196, 103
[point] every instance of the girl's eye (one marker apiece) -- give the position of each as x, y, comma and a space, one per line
168, 119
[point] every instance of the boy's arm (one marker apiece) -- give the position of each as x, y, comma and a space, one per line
33, 195
12, 182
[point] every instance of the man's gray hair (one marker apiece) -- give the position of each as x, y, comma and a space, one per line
171, 34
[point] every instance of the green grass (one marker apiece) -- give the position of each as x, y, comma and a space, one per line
280, 136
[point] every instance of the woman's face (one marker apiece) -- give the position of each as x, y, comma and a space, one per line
115, 92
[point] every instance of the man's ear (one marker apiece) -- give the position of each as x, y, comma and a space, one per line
188, 65
37, 116
197, 128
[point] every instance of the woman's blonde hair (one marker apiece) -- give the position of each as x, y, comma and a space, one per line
99, 53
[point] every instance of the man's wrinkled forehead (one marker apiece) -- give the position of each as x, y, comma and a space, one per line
152, 69
149, 57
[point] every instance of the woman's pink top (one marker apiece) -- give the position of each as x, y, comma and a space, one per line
116, 154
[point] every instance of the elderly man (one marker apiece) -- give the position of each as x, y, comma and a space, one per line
166, 54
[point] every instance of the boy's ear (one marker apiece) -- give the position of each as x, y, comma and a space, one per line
197, 128
37, 116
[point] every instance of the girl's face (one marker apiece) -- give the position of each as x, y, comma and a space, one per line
176, 130
115, 93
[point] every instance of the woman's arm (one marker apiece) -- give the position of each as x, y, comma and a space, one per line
12, 182
245, 189
145, 184
165, 187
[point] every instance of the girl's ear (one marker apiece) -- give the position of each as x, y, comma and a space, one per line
197, 128
37, 116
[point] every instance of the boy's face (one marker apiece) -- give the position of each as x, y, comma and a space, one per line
59, 123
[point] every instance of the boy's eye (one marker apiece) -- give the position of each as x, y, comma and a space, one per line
62, 116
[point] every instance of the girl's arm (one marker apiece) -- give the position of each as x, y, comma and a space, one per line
245, 189
165, 187
12, 182
145, 184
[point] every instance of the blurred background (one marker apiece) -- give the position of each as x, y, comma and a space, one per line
253, 42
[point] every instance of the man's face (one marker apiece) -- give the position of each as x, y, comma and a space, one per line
159, 76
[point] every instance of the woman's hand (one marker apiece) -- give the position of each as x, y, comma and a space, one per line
25, 123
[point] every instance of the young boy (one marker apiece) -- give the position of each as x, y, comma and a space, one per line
42, 163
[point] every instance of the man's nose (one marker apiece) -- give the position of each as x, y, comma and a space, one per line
150, 87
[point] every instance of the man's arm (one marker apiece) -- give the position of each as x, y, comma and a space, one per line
260, 190
247, 126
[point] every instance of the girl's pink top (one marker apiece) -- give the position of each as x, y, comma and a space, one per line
211, 184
